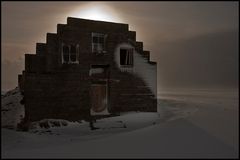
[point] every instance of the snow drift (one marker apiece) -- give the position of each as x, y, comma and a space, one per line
194, 126
12, 111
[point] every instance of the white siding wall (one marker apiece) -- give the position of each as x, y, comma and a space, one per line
141, 68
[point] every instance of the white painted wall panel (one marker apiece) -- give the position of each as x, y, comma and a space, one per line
141, 68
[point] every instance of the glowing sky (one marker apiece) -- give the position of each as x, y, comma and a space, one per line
168, 30
97, 11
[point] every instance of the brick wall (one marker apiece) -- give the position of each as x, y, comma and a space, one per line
56, 90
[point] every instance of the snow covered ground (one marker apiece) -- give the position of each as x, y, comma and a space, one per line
199, 124
218, 111
11, 109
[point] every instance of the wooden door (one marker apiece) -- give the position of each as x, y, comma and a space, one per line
98, 95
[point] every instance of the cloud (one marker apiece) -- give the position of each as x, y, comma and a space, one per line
209, 60
175, 33
10, 71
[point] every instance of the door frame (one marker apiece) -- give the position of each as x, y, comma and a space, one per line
105, 97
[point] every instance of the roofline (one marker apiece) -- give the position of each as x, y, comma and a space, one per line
95, 20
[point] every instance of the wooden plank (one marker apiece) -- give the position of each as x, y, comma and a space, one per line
98, 97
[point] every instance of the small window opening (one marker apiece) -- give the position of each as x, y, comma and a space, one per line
65, 54
126, 57
73, 53
98, 42
70, 53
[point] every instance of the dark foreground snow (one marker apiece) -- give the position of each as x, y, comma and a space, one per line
196, 126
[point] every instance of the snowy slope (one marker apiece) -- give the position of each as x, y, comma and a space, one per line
11, 109
194, 126
216, 110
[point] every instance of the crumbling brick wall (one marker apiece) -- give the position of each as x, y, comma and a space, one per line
56, 90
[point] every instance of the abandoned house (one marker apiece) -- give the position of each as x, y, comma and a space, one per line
88, 68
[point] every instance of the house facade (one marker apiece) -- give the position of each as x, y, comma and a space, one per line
88, 68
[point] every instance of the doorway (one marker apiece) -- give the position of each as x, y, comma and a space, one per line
99, 100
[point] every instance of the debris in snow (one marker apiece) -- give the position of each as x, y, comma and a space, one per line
48, 123
147, 134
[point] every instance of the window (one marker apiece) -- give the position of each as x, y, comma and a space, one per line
126, 57
73, 53
65, 54
69, 53
98, 42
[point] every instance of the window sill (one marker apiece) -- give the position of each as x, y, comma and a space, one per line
71, 62
126, 66
100, 52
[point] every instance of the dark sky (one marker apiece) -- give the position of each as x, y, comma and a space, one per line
194, 43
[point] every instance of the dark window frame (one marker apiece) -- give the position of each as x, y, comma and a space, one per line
98, 42
65, 53
126, 57
70, 53
73, 53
